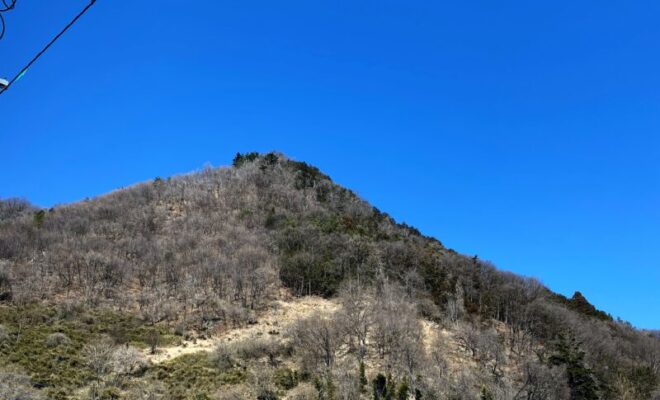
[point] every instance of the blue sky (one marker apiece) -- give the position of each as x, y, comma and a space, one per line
525, 132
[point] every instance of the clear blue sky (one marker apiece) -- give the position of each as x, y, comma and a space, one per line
525, 132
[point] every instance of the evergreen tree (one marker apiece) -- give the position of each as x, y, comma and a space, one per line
380, 387
363, 378
486, 394
38, 218
402, 392
241, 159
391, 388
326, 388
580, 380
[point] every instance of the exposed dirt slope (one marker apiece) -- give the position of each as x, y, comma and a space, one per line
278, 317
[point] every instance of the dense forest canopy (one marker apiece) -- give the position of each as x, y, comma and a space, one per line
213, 248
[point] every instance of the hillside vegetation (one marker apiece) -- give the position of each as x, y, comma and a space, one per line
170, 289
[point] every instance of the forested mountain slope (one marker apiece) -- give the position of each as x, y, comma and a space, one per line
87, 288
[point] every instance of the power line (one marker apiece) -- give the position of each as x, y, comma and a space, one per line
7, 5
35, 58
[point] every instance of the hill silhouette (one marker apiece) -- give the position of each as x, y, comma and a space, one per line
87, 288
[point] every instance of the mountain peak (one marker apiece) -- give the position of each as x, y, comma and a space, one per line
201, 255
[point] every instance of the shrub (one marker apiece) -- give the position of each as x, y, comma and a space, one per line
304, 391
38, 218
250, 349
127, 360
285, 378
5, 283
232, 393
147, 391
223, 357
193, 375
57, 339
70, 309
17, 386
109, 393
326, 387
402, 392
4, 335
266, 394
486, 394
259, 348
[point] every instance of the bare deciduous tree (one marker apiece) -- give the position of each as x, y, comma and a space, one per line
317, 339
542, 383
97, 356
357, 315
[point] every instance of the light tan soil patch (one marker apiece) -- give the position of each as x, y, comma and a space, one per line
279, 317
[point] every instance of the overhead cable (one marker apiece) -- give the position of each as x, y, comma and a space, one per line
7, 5
53, 40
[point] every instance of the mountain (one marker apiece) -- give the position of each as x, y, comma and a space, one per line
266, 280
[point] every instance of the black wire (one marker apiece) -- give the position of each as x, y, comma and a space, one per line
35, 58
2, 26
2, 19
7, 6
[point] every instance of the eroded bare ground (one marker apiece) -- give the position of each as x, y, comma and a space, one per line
282, 314
276, 319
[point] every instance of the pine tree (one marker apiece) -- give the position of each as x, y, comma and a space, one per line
363, 378
380, 387
580, 380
